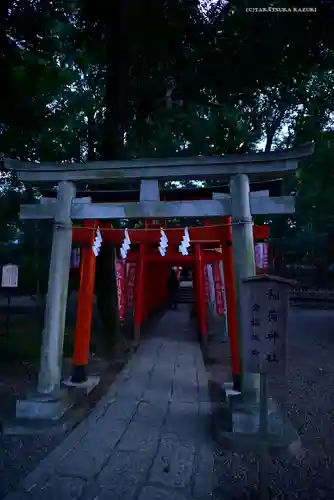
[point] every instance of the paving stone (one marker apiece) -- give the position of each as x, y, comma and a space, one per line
162, 374
153, 493
184, 420
173, 465
165, 372
163, 369
183, 408
185, 363
202, 378
191, 433
136, 385
203, 393
17, 495
186, 371
142, 370
123, 408
154, 395
198, 359
183, 391
149, 349
139, 436
163, 386
165, 364
146, 361
121, 477
122, 377
162, 380
56, 488
88, 457
168, 354
184, 412
205, 408
151, 414
46, 467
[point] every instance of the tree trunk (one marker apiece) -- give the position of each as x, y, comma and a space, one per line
270, 138
116, 82
112, 148
271, 130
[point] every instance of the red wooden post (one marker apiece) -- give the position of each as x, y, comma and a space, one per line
200, 289
149, 293
139, 298
195, 286
84, 311
231, 302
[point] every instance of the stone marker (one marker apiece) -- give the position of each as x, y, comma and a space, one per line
264, 339
265, 323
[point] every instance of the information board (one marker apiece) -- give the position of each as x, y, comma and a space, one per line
10, 276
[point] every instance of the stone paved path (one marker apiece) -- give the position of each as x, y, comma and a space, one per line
147, 439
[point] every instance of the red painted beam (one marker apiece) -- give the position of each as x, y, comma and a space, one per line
174, 257
204, 234
150, 237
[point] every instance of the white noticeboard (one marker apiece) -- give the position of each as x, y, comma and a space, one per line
10, 276
265, 324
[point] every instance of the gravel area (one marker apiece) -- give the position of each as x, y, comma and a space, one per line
310, 406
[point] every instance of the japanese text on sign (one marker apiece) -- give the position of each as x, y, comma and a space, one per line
130, 287
120, 276
265, 326
219, 288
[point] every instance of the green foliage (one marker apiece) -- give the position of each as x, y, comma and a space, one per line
140, 78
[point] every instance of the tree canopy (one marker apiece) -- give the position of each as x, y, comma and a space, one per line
89, 80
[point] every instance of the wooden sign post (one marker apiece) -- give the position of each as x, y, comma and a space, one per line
9, 280
264, 339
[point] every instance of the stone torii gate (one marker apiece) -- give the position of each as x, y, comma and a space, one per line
238, 170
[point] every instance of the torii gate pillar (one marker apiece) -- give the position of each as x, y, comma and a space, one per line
244, 262
55, 313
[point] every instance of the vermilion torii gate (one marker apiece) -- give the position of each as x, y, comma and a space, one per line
238, 170
204, 241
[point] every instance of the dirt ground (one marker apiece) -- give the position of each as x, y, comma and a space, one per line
310, 407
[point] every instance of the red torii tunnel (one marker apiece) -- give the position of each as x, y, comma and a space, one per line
210, 244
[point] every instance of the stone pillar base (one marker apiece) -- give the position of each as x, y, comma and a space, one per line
236, 425
86, 386
43, 407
